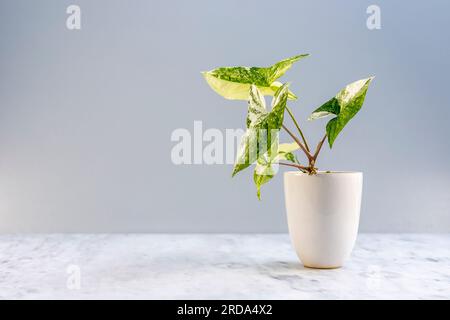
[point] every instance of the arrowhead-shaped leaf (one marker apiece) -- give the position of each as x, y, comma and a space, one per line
344, 105
261, 127
266, 168
261, 179
234, 82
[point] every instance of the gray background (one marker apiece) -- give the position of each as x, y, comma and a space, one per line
86, 116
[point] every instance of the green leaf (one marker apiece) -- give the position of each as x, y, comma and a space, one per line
246, 155
345, 105
287, 147
256, 106
276, 85
261, 126
285, 152
259, 180
234, 82
265, 170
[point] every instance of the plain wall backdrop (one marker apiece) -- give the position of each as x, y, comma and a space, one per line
86, 116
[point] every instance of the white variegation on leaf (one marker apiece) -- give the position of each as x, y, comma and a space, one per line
234, 82
345, 105
267, 165
262, 126
259, 145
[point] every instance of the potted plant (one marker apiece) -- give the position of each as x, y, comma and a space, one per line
323, 207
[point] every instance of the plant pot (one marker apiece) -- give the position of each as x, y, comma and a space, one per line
323, 215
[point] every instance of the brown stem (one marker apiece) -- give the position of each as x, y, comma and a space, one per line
304, 169
308, 154
319, 146
298, 128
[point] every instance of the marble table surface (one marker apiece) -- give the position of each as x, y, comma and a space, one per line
225, 266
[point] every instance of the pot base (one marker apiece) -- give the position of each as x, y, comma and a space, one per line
321, 267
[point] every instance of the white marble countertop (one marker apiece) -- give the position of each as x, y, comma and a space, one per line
192, 266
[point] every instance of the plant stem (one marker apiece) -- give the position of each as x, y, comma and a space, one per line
311, 169
298, 128
302, 168
308, 154
319, 146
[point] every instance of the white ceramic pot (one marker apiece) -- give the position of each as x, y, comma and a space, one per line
323, 215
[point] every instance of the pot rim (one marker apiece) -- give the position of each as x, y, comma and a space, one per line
322, 173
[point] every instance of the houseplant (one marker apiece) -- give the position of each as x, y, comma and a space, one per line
322, 206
